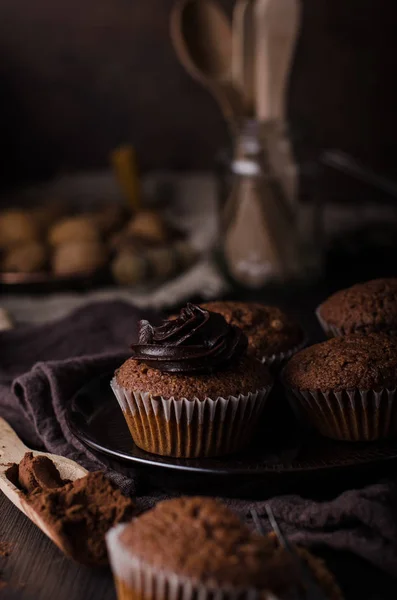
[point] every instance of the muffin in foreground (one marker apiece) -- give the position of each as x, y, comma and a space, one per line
346, 386
369, 307
189, 389
273, 336
198, 548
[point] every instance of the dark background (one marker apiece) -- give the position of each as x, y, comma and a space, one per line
77, 77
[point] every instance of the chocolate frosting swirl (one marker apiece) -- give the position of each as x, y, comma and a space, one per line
197, 341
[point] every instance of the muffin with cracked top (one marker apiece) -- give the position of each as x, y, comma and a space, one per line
273, 336
363, 308
346, 386
189, 388
198, 548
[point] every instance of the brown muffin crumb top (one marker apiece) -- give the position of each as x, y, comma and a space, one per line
347, 362
269, 329
364, 307
201, 539
247, 376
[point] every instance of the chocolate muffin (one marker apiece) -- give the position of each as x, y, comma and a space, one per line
273, 336
363, 308
189, 388
197, 547
346, 386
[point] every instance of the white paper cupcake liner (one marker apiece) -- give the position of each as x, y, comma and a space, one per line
329, 330
190, 428
350, 415
136, 579
278, 360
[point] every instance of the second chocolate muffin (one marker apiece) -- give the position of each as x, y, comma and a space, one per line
273, 336
346, 386
363, 308
189, 389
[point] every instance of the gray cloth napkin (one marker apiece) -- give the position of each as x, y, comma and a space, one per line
42, 367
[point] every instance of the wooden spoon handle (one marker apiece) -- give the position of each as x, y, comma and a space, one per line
201, 33
243, 52
12, 449
277, 29
230, 101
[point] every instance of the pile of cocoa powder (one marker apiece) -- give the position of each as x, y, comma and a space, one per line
79, 513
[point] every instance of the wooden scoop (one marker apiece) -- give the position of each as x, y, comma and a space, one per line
202, 37
12, 450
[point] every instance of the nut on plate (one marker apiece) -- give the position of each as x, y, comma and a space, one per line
29, 257
78, 257
162, 262
148, 225
128, 268
74, 229
109, 218
186, 254
17, 227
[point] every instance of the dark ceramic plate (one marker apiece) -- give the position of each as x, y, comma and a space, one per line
282, 454
49, 282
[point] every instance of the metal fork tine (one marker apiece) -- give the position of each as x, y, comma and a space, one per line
257, 522
313, 591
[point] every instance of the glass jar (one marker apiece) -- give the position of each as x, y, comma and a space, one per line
267, 234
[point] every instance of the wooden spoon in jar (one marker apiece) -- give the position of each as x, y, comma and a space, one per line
243, 55
202, 37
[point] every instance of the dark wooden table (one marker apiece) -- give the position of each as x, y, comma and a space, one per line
36, 570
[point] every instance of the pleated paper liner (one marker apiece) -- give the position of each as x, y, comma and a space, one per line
348, 415
135, 579
190, 428
329, 330
277, 361
289, 459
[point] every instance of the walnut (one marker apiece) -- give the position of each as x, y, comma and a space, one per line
74, 229
25, 258
79, 257
17, 227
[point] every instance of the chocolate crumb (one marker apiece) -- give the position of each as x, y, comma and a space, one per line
12, 474
38, 472
5, 549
